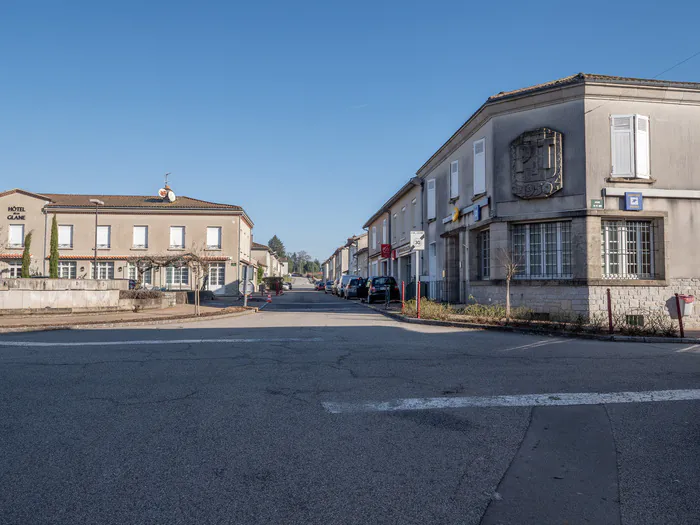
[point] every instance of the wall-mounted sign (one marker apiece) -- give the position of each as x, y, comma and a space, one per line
633, 201
16, 213
386, 251
597, 204
455, 214
477, 213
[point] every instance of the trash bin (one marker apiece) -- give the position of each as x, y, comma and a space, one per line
687, 302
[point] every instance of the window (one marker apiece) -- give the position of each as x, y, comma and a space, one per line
214, 237
105, 270
16, 236
627, 249
454, 179
146, 277
629, 142
217, 275
374, 237
479, 166
104, 237
542, 250
432, 213
67, 269
65, 236
395, 228
140, 237
176, 276
403, 223
416, 216
15, 269
483, 249
432, 261
177, 236
384, 232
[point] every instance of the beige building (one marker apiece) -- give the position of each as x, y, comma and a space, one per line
128, 227
265, 257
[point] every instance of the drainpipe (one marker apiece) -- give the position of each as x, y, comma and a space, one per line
238, 263
46, 223
390, 264
368, 239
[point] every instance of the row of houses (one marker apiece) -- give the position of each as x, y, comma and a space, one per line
106, 237
575, 186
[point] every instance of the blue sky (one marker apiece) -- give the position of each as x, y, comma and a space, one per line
308, 114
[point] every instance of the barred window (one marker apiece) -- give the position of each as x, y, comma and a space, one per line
542, 250
627, 249
483, 248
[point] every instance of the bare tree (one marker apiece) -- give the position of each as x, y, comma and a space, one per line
511, 264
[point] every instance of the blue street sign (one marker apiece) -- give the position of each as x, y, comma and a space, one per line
633, 201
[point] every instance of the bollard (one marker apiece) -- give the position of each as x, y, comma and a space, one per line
269, 297
417, 299
403, 296
610, 319
680, 316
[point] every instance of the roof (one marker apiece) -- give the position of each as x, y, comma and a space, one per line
263, 247
385, 207
134, 201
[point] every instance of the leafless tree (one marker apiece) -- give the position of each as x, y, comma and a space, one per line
511, 264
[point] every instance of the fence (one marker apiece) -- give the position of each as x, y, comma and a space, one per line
453, 292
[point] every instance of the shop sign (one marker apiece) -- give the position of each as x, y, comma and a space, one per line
16, 213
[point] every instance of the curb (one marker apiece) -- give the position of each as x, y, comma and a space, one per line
117, 324
598, 337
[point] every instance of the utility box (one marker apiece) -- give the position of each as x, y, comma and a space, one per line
687, 302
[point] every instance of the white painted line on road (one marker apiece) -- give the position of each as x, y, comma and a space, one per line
25, 344
535, 345
526, 400
688, 349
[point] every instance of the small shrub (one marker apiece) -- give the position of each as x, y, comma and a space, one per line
140, 294
428, 310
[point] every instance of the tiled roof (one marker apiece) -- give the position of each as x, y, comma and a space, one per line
133, 201
258, 246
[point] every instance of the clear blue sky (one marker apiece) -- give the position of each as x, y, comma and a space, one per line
308, 114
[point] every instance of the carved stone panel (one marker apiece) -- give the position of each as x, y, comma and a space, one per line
536, 167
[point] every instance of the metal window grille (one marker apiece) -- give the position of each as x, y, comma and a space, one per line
542, 250
483, 241
627, 249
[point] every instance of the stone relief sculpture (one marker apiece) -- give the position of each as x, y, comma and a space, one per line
536, 166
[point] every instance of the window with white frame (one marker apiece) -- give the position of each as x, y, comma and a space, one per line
404, 220
133, 274
217, 275
432, 212
105, 270
395, 228
140, 237
542, 250
454, 179
14, 269
374, 237
177, 236
176, 276
65, 236
67, 269
483, 249
16, 236
627, 249
629, 143
385, 235
416, 215
104, 237
479, 166
214, 237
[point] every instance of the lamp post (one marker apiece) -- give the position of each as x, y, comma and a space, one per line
97, 203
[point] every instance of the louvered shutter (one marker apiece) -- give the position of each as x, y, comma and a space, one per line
454, 179
622, 144
479, 166
641, 146
431, 199
65, 236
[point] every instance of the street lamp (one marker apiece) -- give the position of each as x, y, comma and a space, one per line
97, 203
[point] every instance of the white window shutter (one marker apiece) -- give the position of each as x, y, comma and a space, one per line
454, 179
374, 237
177, 236
141, 236
103, 236
641, 146
479, 166
16, 234
622, 144
65, 236
214, 237
384, 231
431, 199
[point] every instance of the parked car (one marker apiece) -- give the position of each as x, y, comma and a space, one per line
335, 286
286, 286
344, 280
376, 288
329, 287
353, 287
320, 286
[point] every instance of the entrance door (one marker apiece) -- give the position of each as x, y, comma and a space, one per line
452, 267
216, 281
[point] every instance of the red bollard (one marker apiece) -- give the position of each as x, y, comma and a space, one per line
680, 316
610, 320
418, 299
403, 296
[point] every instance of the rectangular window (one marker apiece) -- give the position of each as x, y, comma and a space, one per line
542, 250
384, 232
176, 276
177, 236
416, 216
214, 237
480, 166
65, 236
629, 143
454, 179
140, 237
403, 223
627, 249
374, 237
67, 269
432, 212
105, 270
104, 237
15, 269
483, 248
217, 276
432, 261
16, 236
146, 277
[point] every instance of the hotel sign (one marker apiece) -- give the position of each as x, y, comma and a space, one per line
16, 213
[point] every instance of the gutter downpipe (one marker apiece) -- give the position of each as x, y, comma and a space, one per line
390, 263
238, 263
367, 230
46, 224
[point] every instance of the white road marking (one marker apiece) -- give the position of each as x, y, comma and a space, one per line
25, 344
688, 349
525, 400
535, 344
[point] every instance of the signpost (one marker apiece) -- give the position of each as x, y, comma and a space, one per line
417, 239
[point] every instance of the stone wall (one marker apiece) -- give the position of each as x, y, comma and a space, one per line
62, 294
543, 297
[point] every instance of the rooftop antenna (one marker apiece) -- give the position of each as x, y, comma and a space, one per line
166, 178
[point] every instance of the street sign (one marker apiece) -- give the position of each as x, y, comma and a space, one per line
418, 240
385, 250
633, 201
597, 204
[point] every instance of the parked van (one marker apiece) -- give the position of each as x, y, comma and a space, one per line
344, 281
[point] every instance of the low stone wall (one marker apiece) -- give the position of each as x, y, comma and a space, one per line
549, 297
73, 295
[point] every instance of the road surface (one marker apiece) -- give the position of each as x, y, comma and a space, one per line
321, 411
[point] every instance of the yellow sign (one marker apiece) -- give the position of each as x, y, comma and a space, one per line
455, 214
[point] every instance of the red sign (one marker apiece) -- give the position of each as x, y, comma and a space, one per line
386, 251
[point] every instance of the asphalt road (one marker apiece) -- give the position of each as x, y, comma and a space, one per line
319, 410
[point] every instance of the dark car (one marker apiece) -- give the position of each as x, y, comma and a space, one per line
352, 289
376, 288
321, 286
